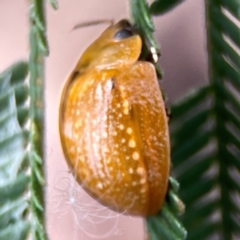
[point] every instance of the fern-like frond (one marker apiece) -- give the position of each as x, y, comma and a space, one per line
141, 16
165, 225
14, 180
39, 49
206, 132
21, 149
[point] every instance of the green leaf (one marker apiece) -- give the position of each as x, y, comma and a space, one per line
162, 6
37, 18
54, 4
17, 231
14, 180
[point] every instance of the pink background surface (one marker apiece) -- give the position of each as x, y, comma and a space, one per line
71, 214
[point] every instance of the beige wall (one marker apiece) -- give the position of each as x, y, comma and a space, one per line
181, 34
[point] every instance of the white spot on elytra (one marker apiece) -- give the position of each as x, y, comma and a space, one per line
105, 149
105, 134
121, 126
126, 111
135, 156
140, 170
132, 143
78, 124
125, 103
129, 130
130, 170
99, 185
134, 183
143, 181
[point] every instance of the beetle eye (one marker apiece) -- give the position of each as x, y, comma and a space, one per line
123, 33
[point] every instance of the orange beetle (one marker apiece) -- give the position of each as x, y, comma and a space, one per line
113, 125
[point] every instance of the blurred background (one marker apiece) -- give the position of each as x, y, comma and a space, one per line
71, 214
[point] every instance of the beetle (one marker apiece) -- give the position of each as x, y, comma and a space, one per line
113, 124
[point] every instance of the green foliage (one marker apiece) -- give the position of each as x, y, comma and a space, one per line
165, 225
39, 49
14, 180
163, 6
54, 4
206, 132
142, 19
21, 148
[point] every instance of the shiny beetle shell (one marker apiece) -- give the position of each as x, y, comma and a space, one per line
113, 125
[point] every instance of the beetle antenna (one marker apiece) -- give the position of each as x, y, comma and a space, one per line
92, 23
